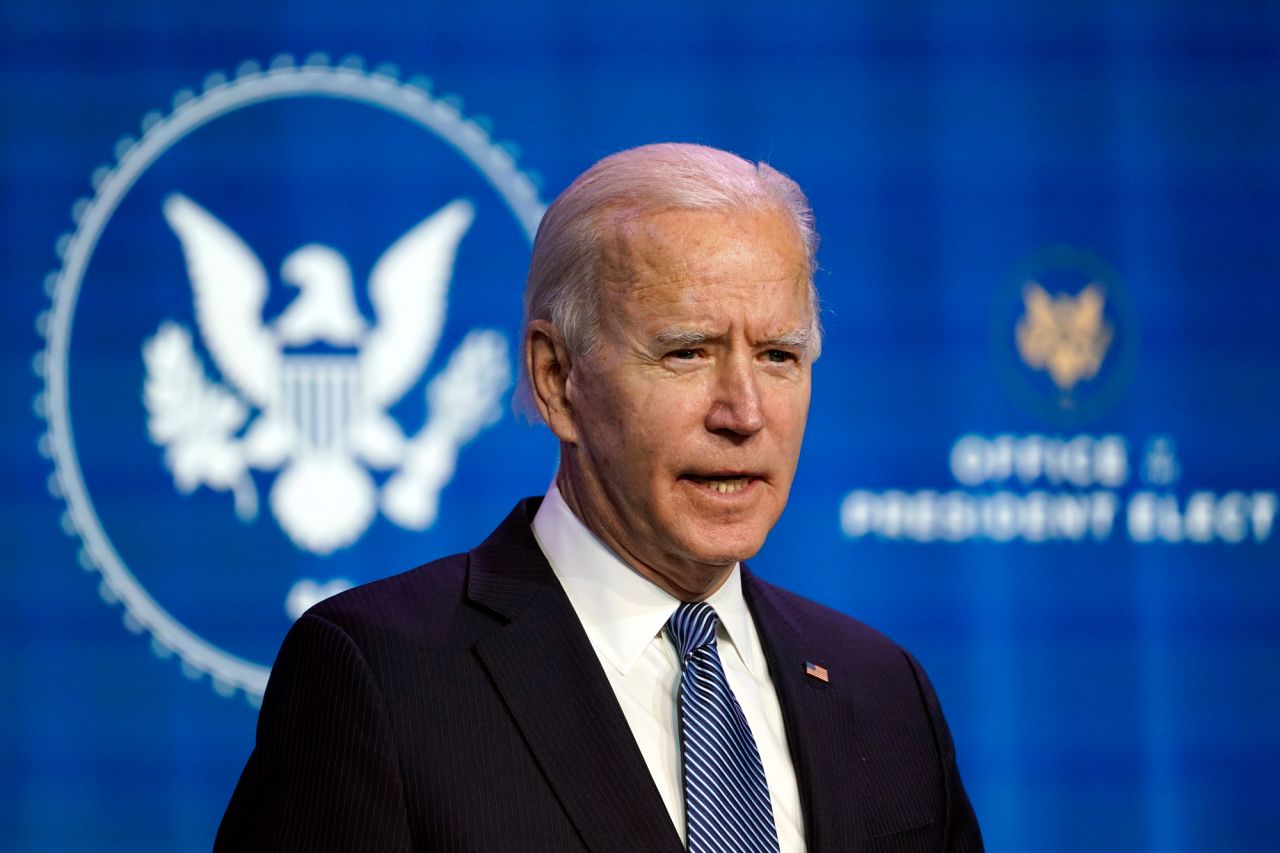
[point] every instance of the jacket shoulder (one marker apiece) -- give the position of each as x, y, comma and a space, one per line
825, 625
421, 603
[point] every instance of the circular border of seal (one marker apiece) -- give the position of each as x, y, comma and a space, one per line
1062, 256
283, 78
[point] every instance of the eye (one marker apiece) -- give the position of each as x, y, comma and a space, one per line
780, 356
684, 354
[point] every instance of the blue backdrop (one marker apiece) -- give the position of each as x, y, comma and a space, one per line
1041, 451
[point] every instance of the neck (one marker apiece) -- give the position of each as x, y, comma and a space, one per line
680, 579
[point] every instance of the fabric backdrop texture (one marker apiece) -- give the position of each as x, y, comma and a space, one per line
260, 311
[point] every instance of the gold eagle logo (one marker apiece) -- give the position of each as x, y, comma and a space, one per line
1064, 335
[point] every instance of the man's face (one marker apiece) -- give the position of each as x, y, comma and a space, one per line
687, 418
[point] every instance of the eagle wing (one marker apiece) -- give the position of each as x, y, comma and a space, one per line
230, 288
409, 289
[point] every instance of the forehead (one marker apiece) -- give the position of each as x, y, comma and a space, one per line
693, 262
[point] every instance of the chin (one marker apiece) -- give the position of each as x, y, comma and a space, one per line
720, 550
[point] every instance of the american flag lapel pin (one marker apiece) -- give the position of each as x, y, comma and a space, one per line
813, 670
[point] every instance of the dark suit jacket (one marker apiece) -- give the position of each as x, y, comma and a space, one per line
460, 706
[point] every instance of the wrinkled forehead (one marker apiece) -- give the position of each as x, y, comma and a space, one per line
699, 247
707, 272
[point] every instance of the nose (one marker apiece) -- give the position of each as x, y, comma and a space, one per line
736, 407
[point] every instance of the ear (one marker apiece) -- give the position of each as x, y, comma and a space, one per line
547, 360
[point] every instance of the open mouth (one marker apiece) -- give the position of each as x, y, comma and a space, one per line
726, 484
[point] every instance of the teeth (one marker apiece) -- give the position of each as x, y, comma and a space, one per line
727, 487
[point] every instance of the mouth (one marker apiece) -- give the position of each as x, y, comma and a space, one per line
724, 484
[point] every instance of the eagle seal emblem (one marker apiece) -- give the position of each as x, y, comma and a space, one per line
319, 419
292, 297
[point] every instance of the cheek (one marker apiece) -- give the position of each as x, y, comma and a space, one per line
661, 439
645, 444
622, 431
659, 414
799, 419
599, 410
790, 411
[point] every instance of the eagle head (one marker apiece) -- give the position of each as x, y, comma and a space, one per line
325, 310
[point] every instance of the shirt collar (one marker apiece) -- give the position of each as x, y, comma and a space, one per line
621, 610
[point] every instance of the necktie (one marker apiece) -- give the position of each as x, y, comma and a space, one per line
726, 797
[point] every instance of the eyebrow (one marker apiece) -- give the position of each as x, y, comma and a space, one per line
795, 339
680, 336
683, 336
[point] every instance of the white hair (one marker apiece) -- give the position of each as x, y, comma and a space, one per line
563, 285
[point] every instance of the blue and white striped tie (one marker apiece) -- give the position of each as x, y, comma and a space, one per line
726, 797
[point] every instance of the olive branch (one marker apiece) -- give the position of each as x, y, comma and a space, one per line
195, 420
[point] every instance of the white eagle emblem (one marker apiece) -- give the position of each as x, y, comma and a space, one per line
321, 419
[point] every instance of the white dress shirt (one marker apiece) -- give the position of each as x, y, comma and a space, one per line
624, 615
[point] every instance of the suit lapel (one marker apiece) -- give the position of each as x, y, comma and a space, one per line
550, 678
817, 721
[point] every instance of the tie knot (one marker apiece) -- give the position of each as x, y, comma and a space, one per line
692, 626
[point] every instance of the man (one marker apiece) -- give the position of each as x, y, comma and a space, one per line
603, 673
